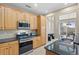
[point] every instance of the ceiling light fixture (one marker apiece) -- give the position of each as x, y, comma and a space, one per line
35, 4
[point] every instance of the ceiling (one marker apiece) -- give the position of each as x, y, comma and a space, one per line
39, 8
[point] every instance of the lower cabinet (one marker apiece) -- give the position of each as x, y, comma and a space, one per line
36, 42
13, 48
4, 49
9, 48
43, 40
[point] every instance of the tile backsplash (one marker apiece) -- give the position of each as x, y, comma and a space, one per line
7, 34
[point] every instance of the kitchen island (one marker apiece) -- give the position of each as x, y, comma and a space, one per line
60, 47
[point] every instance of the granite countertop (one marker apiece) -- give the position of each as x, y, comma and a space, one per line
61, 47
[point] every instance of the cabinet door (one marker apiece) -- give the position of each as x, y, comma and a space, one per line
10, 18
23, 16
26, 17
43, 35
7, 18
14, 48
43, 29
4, 49
43, 20
39, 25
18, 15
14, 20
33, 21
39, 42
34, 42
1, 17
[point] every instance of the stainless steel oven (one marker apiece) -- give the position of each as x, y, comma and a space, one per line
26, 46
25, 42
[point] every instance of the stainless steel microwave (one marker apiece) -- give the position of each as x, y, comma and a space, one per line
23, 25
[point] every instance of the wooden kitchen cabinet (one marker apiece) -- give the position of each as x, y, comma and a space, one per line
9, 48
33, 21
36, 42
39, 25
26, 17
18, 15
4, 49
43, 21
1, 17
23, 16
43, 29
13, 48
10, 18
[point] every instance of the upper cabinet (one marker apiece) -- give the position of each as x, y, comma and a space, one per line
33, 21
10, 19
26, 16
23, 16
1, 17
43, 21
